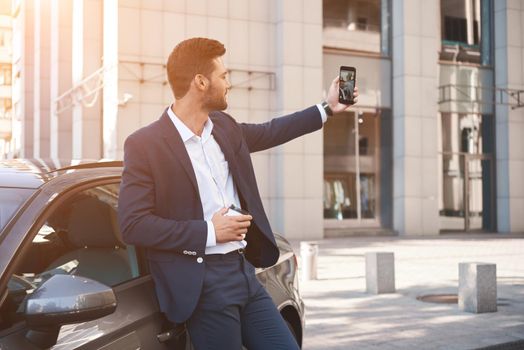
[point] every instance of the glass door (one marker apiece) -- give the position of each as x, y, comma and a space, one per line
351, 168
466, 177
467, 193
477, 194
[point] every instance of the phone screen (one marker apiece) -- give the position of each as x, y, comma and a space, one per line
346, 84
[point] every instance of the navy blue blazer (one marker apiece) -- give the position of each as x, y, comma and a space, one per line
160, 209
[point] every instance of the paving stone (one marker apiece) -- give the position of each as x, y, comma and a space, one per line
339, 315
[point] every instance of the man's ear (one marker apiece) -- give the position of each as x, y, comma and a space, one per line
201, 82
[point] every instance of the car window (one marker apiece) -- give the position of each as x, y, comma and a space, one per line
10, 200
80, 237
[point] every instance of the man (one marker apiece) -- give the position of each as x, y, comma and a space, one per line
180, 174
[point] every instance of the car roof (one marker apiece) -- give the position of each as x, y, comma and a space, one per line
33, 173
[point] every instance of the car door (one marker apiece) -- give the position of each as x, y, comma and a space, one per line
77, 234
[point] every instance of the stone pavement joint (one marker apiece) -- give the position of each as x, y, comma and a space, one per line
340, 315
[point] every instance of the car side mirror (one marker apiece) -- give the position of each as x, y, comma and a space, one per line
65, 299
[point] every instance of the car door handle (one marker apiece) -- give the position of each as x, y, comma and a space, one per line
165, 336
175, 333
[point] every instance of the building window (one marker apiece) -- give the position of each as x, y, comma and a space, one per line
5, 74
5, 108
5, 37
466, 31
356, 25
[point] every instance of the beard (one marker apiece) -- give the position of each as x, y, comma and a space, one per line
216, 104
215, 101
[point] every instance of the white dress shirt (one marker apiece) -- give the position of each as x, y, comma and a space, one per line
215, 183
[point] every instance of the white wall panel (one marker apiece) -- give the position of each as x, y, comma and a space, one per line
128, 31
218, 8
151, 33
173, 31
238, 43
196, 26
238, 9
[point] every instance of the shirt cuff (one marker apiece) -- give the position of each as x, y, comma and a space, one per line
323, 113
211, 235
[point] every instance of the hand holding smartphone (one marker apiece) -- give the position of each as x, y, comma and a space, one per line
233, 210
346, 85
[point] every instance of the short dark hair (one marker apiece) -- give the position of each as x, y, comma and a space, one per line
189, 58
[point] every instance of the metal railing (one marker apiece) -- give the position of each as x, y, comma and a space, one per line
85, 92
481, 95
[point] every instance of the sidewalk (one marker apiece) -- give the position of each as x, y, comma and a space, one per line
340, 315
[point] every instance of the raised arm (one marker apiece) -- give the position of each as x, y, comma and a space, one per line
280, 130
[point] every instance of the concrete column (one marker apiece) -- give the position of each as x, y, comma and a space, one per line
110, 93
87, 59
61, 79
93, 52
77, 74
416, 42
54, 43
509, 128
297, 167
41, 78
23, 57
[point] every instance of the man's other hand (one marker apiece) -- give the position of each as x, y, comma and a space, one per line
332, 98
230, 228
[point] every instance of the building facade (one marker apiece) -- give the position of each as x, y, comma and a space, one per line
6, 105
435, 143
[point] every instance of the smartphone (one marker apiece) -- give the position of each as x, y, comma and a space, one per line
235, 211
346, 84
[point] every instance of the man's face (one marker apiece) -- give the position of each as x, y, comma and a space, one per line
216, 99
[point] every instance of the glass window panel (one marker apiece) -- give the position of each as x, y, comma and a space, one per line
462, 133
367, 134
340, 199
340, 135
341, 171
460, 21
367, 196
355, 24
452, 202
466, 180
465, 26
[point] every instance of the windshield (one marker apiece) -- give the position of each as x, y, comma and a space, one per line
10, 200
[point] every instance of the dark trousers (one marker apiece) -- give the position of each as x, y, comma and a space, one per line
235, 310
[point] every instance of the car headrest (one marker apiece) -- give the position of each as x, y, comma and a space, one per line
91, 224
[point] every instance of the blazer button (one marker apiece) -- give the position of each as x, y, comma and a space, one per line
185, 252
200, 260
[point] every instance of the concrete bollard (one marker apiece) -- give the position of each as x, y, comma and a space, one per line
380, 272
477, 287
308, 254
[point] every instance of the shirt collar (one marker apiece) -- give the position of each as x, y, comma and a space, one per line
186, 133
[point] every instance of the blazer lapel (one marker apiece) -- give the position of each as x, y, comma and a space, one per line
173, 139
222, 140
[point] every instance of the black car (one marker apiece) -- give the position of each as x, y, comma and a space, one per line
67, 281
